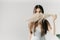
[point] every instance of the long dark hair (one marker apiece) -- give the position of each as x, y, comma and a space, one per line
44, 22
38, 6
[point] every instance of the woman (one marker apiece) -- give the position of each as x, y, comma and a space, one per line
38, 25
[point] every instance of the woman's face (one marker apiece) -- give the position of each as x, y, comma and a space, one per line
38, 10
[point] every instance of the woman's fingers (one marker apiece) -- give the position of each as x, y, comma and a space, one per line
54, 17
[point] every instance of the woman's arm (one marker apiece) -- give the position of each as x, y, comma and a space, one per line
53, 15
54, 18
30, 35
30, 25
54, 28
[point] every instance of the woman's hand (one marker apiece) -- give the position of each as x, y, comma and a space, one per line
54, 17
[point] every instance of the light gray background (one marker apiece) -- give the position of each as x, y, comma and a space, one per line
15, 13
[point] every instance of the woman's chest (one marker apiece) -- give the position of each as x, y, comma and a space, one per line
38, 28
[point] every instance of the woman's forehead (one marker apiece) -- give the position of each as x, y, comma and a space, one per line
38, 9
